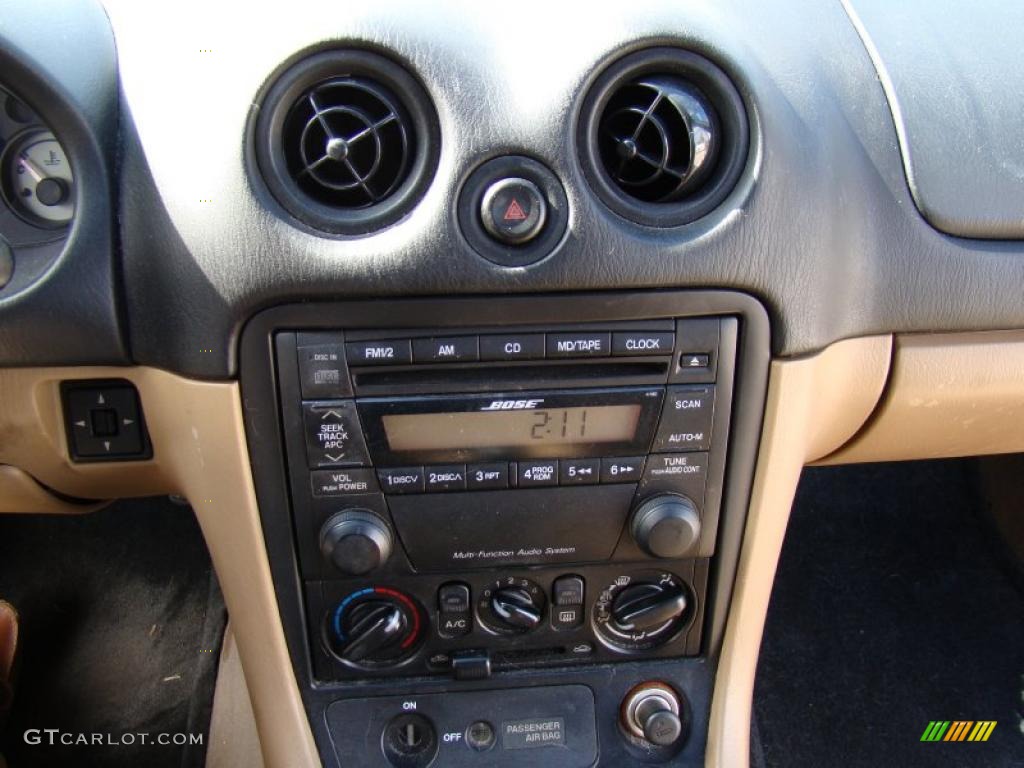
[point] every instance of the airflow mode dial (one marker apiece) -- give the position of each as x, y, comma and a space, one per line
663, 137
347, 141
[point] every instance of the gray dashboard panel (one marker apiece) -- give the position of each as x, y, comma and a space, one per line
954, 76
822, 228
59, 57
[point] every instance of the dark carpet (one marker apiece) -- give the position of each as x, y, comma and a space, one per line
893, 606
121, 626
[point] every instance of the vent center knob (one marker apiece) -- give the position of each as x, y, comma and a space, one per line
337, 149
627, 149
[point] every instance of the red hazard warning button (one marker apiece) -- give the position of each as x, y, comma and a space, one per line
513, 211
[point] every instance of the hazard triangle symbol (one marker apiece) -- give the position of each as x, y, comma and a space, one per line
514, 212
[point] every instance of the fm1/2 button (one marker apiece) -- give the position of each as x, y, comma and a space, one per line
513, 211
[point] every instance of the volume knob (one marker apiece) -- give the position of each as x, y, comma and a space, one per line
355, 541
666, 526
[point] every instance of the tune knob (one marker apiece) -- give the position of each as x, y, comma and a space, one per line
355, 541
666, 526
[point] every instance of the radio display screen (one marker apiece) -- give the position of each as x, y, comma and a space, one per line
512, 429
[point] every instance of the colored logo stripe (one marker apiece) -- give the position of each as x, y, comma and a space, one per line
935, 730
958, 730
982, 730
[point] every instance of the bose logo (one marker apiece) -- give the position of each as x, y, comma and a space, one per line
512, 405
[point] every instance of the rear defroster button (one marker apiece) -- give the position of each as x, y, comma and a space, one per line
513, 211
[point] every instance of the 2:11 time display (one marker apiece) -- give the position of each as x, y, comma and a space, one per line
564, 423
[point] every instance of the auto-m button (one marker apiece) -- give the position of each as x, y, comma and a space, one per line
686, 419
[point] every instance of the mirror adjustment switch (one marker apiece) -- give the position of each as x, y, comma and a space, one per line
104, 421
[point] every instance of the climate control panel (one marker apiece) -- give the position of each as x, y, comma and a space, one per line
467, 625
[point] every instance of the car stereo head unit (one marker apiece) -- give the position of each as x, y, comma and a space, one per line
543, 490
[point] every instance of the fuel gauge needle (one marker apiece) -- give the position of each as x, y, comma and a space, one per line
34, 169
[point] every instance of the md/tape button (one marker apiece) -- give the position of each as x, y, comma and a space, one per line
579, 344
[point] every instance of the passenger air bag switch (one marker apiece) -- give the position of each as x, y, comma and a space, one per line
104, 421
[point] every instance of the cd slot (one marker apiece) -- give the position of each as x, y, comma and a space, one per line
443, 379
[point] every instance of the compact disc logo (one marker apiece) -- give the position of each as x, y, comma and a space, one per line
512, 405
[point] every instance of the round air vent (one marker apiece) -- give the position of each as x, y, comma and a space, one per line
347, 141
663, 137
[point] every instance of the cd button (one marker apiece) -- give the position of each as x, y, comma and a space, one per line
537, 473
448, 477
452, 349
526, 346
622, 470
401, 480
481, 477
579, 471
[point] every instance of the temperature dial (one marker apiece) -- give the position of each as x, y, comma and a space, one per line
37, 180
374, 627
511, 606
642, 611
